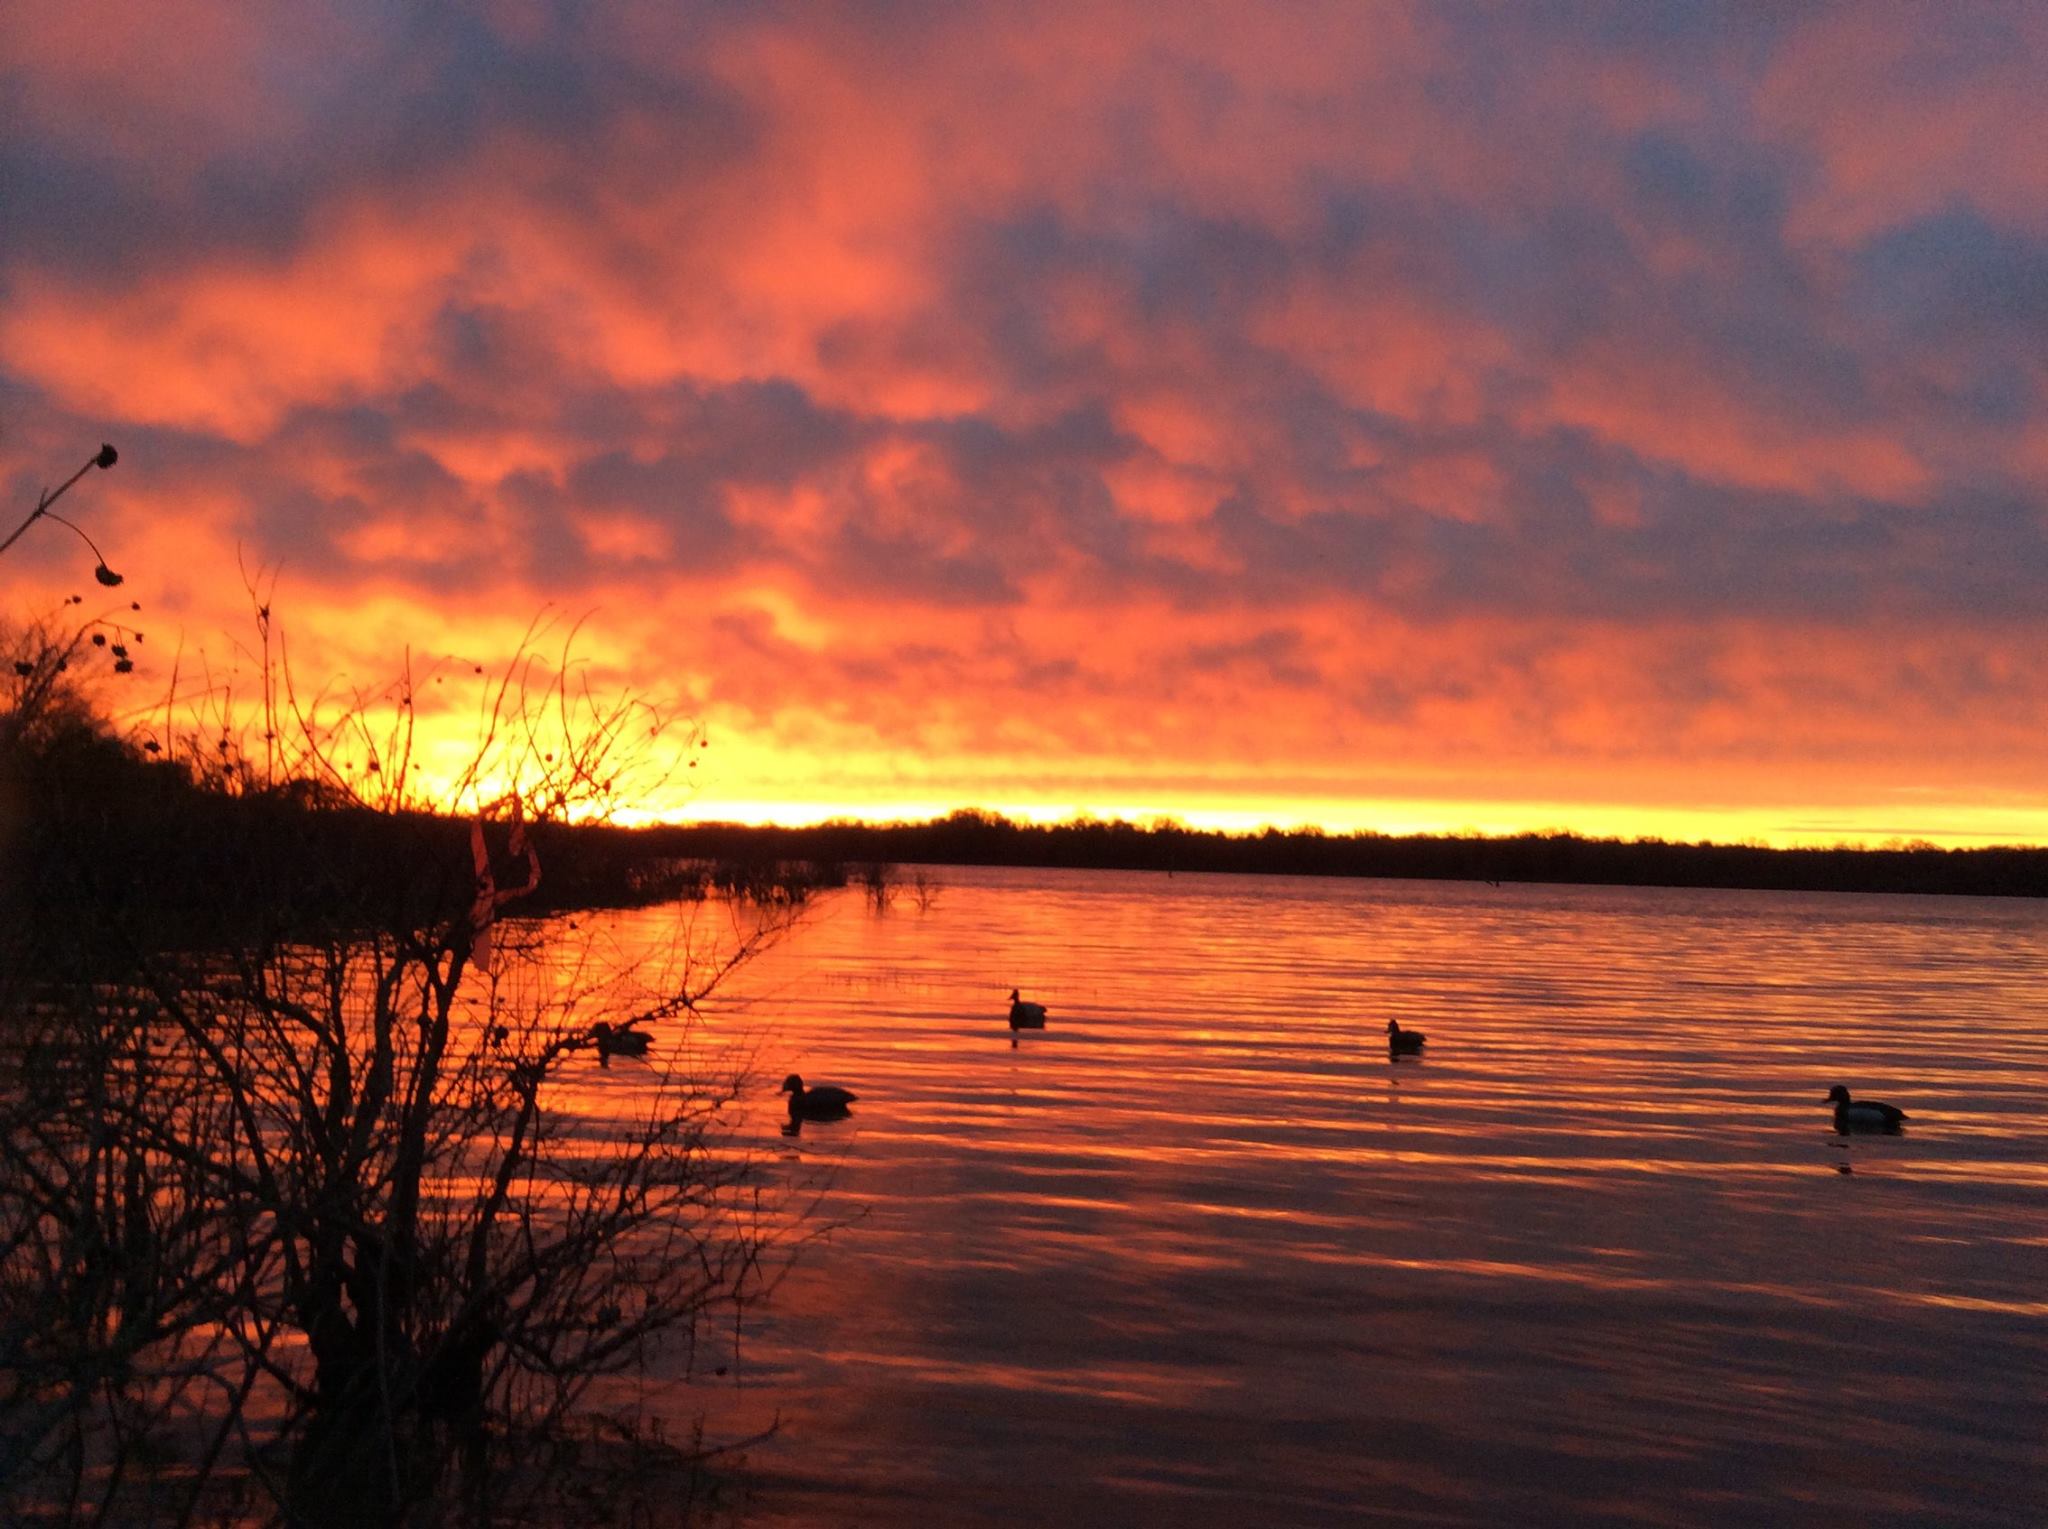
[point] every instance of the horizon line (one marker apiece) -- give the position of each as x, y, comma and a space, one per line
1867, 841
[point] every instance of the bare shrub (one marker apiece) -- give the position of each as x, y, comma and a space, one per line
342, 1205
878, 884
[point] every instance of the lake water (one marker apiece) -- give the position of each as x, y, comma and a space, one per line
1201, 1254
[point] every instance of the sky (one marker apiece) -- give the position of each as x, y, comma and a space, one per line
1625, 418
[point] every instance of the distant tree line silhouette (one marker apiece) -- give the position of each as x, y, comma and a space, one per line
152, 834
974, 837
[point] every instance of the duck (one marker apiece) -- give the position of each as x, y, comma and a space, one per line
826, 1103
1024, 1016
1862, 1114
622, 1040
1404, 1042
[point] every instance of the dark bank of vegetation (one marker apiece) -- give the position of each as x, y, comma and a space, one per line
300, 1217
104, 835
981, 838
117, 832
121, 837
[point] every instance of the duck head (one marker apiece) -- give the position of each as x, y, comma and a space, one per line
793, 1084
1838, 1095
1013, 995
1393, 1027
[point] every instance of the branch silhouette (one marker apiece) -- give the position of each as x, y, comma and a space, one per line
104, 458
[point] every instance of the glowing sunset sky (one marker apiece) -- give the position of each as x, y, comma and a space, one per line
1623, 417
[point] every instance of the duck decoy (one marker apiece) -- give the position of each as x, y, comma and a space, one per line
1862, 1114
623, 1040
826, 1103
1024, 1016
1404, 1042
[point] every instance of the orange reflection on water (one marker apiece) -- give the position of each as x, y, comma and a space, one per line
1200, 1252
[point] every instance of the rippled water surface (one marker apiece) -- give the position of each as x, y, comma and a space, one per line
1201, 1254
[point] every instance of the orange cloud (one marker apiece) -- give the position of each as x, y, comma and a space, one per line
1179, 408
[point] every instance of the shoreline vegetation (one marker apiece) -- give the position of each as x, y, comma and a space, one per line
972, 837
150, 831
149, 835
75, 792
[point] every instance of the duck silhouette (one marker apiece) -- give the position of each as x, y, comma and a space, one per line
1404, 1042
621, 1040
824, 1103
1024, 1016
1863, 1114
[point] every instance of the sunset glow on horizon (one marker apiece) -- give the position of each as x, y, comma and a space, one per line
1624, 419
